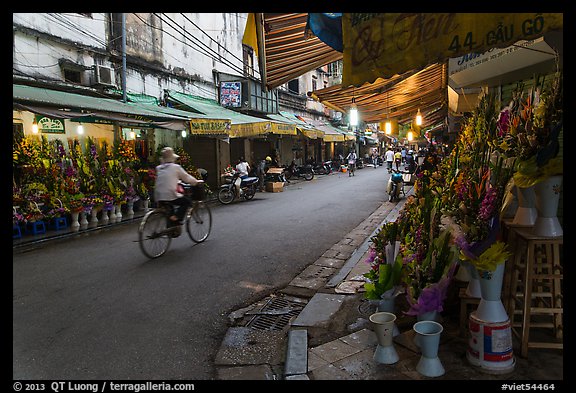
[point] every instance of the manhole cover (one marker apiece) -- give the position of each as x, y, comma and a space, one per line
275, 314
366, 308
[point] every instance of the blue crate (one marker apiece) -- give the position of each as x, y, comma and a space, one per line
60, 223
16, 232
36, 227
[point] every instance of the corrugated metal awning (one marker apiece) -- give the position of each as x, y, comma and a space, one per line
287, 52
399, 97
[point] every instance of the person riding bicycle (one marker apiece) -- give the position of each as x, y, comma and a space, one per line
168, 176
351, 157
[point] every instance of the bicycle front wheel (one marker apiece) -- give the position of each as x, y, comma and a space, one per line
199, 222
153, 235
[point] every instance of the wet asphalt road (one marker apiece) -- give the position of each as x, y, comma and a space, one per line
93, 307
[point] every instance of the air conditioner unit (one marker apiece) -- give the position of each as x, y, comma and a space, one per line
104, 75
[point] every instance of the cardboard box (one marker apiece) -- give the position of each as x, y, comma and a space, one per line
275, 186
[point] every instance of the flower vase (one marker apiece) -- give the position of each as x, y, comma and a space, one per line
428, 333
473, 288
388, 304
112, 214
427, 316
75, 225
490, 307
526, 213
93, 218
490, 342
83, 220
384, 325
145, 203
130, 211
118, 213
104, 219
547, 198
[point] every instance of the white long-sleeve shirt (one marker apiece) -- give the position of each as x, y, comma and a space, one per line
167, 177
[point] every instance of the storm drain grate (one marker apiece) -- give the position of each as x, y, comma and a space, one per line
275, 314
366, 308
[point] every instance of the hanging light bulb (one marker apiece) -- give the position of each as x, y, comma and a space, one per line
35, 127
410, 136
80, 129
183, 133
353, 114
388, 127
418, 118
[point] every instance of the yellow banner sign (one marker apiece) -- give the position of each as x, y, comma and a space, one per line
284, 129
243, 130
209, 126
385, 44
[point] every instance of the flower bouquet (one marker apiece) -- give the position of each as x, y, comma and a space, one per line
385, 269
528, 130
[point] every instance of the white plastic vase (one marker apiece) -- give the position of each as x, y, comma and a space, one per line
427, 316
526, 213
104, 219
428, 333
388, 304
490, 308
547, 198
75, 225
83, 220
473, 288
384, 326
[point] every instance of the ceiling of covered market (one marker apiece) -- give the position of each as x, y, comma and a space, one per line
288, 52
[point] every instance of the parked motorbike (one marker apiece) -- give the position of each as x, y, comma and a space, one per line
229, 192
395, 185
299, 171
322, 169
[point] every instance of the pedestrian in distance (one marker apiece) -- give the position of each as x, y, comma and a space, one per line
398, 159
389, 156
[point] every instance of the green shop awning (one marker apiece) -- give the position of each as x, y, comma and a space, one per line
241, 125
96, 109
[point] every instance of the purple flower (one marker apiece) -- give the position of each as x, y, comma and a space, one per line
503, 122
488, 205
371, 255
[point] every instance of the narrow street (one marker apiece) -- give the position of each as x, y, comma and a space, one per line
93, 307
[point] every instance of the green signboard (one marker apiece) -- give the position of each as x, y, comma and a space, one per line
50, 125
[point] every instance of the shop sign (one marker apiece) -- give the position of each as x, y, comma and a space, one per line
50, 125
231, 94
384, 44
284, 129
209, 126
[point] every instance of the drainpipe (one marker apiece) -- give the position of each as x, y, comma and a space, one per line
123, 57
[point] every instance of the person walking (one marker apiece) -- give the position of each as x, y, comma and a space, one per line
389, 156
398, 159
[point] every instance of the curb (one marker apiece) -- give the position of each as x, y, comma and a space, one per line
297, 346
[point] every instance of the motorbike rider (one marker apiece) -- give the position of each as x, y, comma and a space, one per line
168, 175
351, 157
410, 161
243, 168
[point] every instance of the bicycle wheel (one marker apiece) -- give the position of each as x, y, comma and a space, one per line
153, 235
199, 222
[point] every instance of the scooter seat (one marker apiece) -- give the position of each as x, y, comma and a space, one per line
249, 180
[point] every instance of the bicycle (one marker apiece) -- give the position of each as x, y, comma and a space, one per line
155, 232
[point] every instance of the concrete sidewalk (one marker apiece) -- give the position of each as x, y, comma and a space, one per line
317, 328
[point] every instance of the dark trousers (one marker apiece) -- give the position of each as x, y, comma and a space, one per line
181, 205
